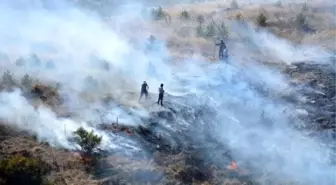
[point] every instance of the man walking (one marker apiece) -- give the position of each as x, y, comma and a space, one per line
161, 92
144, 90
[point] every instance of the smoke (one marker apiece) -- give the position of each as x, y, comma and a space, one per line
268, 143
276, 50
287, 52
271, 144
76, 42
80, 44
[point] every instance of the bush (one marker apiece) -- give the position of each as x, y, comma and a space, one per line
261, 20
199, 28
88, 141
184, 15
23, 170
200, 19
158, 13
35, 60
223, 31
26, 81
210, 30
7, 78
239, 17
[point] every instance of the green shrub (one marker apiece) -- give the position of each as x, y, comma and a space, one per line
7, 78
158, 13
223, 31
261, 20
35, 60
23, 170
88, 141
184, 15
239, 17
210, 30
26, 81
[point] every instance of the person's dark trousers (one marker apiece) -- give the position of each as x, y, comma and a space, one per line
160, 99
143, 93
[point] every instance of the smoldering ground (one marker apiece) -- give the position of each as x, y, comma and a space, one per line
231, 92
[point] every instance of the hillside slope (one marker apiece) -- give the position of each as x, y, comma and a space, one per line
264, 116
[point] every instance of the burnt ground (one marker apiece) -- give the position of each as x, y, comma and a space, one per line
317, 87
183, 162
170, 160
173, 158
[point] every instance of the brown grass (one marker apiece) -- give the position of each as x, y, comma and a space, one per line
66, 166
183, 42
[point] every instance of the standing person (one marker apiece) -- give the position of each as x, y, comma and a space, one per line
144, 90
151, 39
161, 92
222, 47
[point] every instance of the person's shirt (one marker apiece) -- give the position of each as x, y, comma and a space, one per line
222, 46
144, 87
161, 91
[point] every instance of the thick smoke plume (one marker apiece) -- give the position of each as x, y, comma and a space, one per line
92, 61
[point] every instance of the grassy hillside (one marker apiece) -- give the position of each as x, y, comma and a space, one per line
253, 31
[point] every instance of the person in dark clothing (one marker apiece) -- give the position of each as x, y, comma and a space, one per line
151, 39
222, 50
144, 90
161, 92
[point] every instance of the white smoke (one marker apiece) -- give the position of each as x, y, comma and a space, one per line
40, 121
75, 36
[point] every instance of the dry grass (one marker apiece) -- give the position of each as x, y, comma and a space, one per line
66, 166
58, 159
183, 41
73, 177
